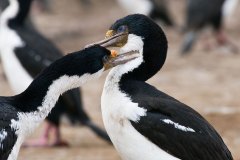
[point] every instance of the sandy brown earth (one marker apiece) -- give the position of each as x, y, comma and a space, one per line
209, 81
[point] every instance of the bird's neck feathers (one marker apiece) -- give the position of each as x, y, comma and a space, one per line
64, 74
134, 43
154, 54
16, 12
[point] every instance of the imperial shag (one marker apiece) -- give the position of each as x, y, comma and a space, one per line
146, 123
24, 53
22, 113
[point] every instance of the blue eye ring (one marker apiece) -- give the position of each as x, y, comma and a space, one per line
122, 29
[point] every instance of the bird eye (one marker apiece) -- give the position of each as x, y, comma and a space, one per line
121, 29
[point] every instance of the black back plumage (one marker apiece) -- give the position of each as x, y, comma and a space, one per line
38, 53
152, 37
203, 144
3, 4
7, 136
74, 64
201, 141
12, 124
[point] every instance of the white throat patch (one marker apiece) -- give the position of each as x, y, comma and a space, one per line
134, 43
118, 109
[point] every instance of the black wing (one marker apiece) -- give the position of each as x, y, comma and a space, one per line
175, 127
37, 52
7, 134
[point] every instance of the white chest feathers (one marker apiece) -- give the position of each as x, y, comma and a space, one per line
117, 111
17, 76
137, 6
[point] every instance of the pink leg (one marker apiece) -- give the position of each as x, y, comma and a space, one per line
223, 40
57, 141
43, 140
221, 37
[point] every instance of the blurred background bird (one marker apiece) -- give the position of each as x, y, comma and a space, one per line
207, 79
199, 15
26, 52
155, 9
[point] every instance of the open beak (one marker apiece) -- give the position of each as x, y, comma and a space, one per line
112, 39
114, 59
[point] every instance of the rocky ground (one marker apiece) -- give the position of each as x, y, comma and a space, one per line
208, 81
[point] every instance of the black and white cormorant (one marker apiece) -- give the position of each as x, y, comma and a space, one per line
21, 114
143, 122
155, 9
203, 13
24, 53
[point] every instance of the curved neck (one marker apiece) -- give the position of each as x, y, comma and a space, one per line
117, 73
154, 56
142, 68
64, 74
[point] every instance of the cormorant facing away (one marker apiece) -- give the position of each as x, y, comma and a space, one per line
24, 53
21, 114
143, 122
202, 13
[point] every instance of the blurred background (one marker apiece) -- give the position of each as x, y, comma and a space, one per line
207, 77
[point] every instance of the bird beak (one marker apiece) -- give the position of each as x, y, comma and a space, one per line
117, 59
112, 39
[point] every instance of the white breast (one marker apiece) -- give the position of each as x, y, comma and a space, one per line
17, 76
229, 7
117, 110
136, 6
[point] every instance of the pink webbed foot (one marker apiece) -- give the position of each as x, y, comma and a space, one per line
41, 142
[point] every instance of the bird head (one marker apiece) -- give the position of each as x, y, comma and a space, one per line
138, 33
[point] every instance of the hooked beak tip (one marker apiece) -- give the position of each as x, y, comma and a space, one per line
112, 40
110, 62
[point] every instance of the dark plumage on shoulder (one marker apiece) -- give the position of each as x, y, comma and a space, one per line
32, 53
146, 123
